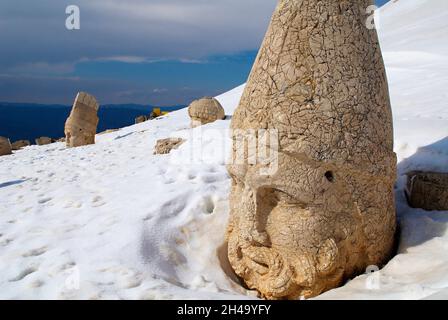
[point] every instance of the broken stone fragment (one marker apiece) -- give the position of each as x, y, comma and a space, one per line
141, 119
427, 190
5, 146
81, 125
44, 141
20, 144
205, 110
164, 146
322, 210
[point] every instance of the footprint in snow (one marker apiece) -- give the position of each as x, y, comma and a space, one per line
22, 274
98, 201
208, 205
35, 252
44, 200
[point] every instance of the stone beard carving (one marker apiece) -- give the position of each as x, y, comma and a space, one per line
328, 212
81, 125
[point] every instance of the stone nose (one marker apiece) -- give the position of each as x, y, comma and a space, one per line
257, 213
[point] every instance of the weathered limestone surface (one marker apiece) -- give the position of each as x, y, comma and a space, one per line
205, 110
328, 212
164, 146
427, 190
5, 146
42, 141
20, 144
81, 125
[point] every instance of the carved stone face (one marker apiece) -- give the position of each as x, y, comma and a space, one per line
286, 235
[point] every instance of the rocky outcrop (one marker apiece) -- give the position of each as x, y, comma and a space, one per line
327, 212
165, 146
205, 110
5, 146
81, 125
20, 144
427, 190
42, 141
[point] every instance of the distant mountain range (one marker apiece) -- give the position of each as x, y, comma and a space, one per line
29, 121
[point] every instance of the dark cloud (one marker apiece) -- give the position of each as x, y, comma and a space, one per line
127, 51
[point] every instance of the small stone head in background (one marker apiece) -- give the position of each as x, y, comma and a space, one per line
205, 110
17, 145
5, 146
42, 141
81, 125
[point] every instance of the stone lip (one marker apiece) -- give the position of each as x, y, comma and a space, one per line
427, 190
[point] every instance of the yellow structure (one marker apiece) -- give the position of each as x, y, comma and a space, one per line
157, 111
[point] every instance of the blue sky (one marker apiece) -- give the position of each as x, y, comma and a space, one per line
161, 52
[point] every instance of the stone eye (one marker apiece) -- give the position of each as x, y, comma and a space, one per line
329, 176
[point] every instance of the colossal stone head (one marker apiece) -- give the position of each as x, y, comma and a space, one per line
81, 125
327, 212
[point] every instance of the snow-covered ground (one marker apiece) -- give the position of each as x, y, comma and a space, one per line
113, 221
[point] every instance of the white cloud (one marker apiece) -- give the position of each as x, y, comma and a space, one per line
129, 31
134, 59
125, 59
159, 90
